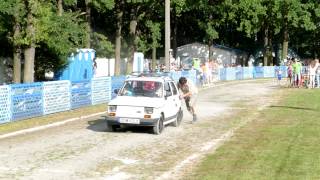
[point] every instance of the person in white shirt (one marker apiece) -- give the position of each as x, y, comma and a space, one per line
318, 73
312, 73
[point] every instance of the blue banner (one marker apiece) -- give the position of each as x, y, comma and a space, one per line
80, 94
101, 90
231, 74
223, 74
258, 72
269, 71
56, 96
26, 100
248, 72
239, 73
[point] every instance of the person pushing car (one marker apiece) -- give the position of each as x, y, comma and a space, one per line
188, 92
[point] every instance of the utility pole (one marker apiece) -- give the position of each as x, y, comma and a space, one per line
167, 34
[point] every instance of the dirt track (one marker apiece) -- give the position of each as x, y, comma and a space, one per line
83, 150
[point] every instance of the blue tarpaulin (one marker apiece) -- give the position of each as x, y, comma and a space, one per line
80, 66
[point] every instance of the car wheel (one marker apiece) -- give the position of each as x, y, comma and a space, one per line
158, 128
178, 119
111, 128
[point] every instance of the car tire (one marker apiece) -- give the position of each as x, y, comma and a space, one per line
158, 128
178, 119
111, 128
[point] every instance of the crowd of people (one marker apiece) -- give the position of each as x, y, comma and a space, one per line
206, 72
305, 74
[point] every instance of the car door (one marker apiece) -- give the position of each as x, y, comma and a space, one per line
169, 102
176, 98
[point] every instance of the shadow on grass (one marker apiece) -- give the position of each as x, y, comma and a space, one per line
100, 125
292, 107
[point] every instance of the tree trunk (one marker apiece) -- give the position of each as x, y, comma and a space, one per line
29, 54
270, 49
154, 58
60, 7
88, 19
119, 15
285, 44
29, 51
16, 55
210, 49
17, 65
167, 35
132, 43
265, 47
315, 55
174, 34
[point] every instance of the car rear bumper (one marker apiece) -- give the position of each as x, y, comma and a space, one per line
143, 122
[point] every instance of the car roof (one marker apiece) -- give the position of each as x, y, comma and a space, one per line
158, 79
149, 77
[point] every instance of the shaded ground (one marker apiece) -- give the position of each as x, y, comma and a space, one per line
82, 149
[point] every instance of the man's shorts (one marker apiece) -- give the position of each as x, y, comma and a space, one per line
191, 101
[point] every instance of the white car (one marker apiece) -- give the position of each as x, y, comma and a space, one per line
145, 101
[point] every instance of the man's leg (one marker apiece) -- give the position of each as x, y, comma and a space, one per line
193, 100
190, 108
187, 101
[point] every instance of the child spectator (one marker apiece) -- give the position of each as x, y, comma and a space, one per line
278, 74
290, 73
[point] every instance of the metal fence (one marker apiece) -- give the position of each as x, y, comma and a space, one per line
22, 101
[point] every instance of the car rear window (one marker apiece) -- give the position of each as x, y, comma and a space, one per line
142, 88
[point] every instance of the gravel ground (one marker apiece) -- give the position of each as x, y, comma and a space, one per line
83, 150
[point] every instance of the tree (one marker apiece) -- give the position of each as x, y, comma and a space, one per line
15, 11
155, 36
292, 14
119, 15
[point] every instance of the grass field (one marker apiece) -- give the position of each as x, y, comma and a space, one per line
282, 143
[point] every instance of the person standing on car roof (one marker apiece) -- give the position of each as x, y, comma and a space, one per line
189, 92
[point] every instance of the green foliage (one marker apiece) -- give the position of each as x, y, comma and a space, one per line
251, 15
103, 47
70, 2
103, 5
155, 29
179, 6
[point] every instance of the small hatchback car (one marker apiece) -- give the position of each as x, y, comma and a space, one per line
145, 100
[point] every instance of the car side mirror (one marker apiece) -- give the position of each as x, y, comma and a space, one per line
116, 91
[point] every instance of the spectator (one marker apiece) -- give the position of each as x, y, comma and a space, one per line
204, 71
289, 70
312, 73
296, 69
278, 74
318, 73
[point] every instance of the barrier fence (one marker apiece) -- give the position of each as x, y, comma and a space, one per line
22, 101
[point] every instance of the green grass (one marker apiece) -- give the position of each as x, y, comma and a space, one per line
282, 143
44, 120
